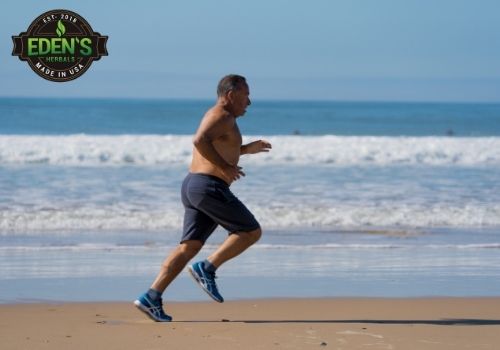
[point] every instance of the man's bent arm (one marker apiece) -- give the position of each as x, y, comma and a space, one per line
209, 131
204, 145
243, 149
255, 147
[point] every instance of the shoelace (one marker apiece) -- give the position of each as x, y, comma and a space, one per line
211, 280
158, 309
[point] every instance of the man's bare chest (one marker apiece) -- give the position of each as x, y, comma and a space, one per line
231, 139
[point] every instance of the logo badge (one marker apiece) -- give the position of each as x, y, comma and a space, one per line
59, 45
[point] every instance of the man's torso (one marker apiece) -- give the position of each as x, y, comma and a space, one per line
227, 145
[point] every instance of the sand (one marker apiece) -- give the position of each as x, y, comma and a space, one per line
339, 323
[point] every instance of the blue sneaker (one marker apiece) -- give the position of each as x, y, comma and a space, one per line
153, 309
206, 280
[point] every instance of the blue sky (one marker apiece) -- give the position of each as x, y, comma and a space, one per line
384, 50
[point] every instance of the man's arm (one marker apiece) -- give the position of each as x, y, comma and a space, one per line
255, 147
209, 130
203, 141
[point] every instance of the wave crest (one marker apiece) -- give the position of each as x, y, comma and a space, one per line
298, 217
91, 150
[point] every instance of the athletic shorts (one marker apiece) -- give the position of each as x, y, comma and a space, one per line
209, 202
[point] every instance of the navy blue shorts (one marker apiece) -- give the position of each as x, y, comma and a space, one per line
209, 202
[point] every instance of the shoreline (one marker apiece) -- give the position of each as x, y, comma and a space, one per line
207, 300
126, 289
346, 323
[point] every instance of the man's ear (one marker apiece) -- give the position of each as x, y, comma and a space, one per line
230, 95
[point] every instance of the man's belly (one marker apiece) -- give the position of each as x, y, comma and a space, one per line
208, 169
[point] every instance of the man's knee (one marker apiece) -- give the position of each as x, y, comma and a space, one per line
255, 234
190, 248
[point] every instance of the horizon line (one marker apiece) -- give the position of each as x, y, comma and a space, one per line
199, 99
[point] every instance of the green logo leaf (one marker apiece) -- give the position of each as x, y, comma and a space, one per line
61, 29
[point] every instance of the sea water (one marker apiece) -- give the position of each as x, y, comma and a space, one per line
355, 199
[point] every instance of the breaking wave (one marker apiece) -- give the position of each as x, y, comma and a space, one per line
91, 150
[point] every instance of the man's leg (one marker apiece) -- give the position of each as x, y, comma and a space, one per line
151, 302
175, 263
222, 207
234, 245
204, 271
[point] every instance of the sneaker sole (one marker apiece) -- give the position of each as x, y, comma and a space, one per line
198, 282
145, 310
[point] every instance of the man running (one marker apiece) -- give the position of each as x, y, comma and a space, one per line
207, 199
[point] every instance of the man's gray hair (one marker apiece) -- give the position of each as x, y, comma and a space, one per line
230, 82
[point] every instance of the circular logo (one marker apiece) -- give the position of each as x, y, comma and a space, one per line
59, 45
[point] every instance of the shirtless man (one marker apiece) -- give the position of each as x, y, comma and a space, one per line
207, 199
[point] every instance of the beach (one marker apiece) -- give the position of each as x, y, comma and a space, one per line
380, 230
333, 323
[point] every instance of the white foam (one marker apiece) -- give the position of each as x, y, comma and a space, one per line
388, 215
92, 150
295, 215
87, 218
90, 247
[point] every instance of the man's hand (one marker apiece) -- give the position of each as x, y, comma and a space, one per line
233, 172
257, 147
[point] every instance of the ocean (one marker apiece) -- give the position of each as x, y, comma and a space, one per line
355, 198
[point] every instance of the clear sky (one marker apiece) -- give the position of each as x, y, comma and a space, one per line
391, 50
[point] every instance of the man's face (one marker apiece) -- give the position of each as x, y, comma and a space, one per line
240, 100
